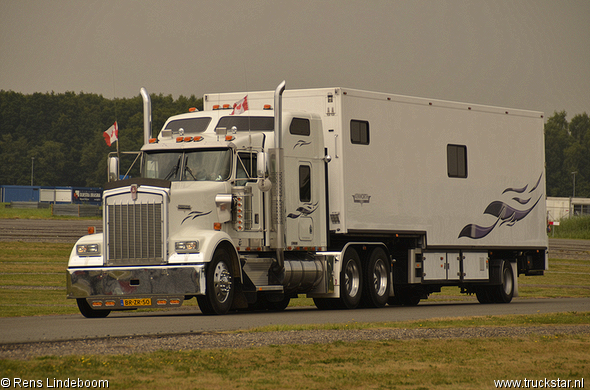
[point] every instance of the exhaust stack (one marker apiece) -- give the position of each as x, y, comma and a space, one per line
277, 177
147, 115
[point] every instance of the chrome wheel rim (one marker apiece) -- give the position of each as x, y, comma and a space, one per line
352, 278
222, 282
380, 277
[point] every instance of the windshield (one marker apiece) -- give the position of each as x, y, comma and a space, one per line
162, 166
205, 165
209, 165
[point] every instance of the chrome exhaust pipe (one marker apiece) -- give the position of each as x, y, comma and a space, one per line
147, 115
277, 189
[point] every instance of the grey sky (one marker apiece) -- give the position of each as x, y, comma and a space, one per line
529, 54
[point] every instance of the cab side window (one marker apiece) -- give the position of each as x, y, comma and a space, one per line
246, 168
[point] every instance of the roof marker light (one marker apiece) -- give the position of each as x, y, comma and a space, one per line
216, 107
229, 137
153, 140
198, 138
179, 139
267, 107
188, 139
192, 109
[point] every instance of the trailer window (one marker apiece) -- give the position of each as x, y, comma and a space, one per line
359, 132
305, 183
457, 161
300, 126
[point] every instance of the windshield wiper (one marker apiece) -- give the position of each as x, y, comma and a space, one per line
187, 169
174, 170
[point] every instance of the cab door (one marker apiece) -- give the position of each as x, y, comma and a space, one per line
304, 184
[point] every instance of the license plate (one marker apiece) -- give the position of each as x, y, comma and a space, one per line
136, 302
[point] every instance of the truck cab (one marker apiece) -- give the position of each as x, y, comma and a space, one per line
202, 218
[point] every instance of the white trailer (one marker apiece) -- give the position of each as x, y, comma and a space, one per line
351, 197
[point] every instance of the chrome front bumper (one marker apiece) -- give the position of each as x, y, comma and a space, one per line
136, 282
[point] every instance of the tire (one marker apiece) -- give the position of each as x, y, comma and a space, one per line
88, 311
326, 303
505, 291
405, 296
351, 280
219, 293
484, 295
376, 283
501, 293
410, 300
277, 306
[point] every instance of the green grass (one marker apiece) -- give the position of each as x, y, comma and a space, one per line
16, 213
388, 364
574, 228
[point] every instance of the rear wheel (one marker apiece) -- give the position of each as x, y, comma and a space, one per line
505, 291
88, 311
220, 285
376, 279
351, 283
325, 303
405, 296
501, 293
277, 305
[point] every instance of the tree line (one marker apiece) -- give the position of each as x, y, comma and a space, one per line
60, 136
63, 133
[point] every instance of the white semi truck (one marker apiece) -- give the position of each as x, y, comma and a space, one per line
353, 198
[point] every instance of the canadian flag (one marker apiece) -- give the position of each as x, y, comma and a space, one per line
240, 106
112, 134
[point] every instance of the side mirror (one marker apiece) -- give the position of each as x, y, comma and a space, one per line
261, 165
113, 168
264, 184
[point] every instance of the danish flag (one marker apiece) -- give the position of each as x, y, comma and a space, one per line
240, 106
112, 134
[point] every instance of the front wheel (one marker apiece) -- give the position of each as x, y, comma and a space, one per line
88, 311
219, 293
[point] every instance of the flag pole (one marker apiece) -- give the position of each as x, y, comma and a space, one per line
116, 124
118, 156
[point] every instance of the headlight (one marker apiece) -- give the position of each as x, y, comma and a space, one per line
88, 249
187, 246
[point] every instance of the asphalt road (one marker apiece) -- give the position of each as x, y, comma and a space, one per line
187, 321
46, 230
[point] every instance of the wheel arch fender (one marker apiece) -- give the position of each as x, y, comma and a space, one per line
221, 240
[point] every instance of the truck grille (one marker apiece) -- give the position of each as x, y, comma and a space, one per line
135, 234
